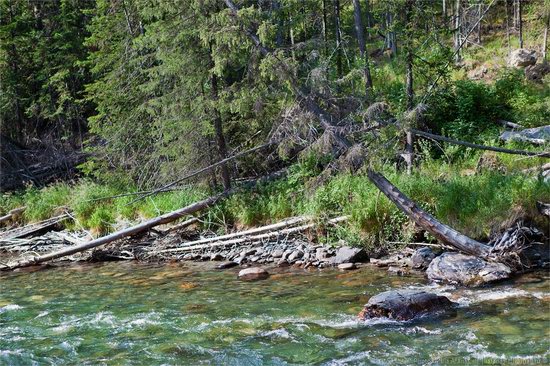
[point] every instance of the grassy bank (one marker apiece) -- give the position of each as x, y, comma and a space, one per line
475, 200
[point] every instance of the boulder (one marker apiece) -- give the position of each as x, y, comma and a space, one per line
466, 270
537, 72
422, 258
253, 273
277, 253
522, 58
537, 135
406, 305
347, 254
297, 254
347, 266
226, 265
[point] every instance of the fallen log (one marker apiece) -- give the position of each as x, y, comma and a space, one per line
258, 230
12, 213
30, 229
541, 154
444, 233
171, 216
180, 226
248, 239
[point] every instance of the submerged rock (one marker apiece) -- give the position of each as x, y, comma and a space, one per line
466, 270
406, 305
347, 254
226, 265
253, 273
347, 266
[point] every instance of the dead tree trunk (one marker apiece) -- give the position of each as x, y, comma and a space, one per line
507, 26
169, 217
458, 30
426, 221
545, 38
409, 145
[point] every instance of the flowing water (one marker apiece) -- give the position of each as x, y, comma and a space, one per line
186, 314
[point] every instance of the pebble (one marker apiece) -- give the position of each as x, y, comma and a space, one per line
347, 266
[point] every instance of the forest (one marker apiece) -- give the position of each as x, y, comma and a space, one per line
286, 182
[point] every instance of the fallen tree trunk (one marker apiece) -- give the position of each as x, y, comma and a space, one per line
426, 221
248, 239
27, 230
12, 213
258, 230
542, 154
171, 216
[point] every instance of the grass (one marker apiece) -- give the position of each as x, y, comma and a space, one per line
475, 204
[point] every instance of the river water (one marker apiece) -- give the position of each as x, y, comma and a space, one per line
189, 314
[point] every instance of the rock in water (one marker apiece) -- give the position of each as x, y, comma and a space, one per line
522, 58
253, 273
226, 265
347, 266
347, 254
406, 305
466, 270
422, 258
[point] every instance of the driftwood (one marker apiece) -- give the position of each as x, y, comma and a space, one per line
511, 125
180, 226
30, 229
248, 239
171, 216
259, 230
12, 214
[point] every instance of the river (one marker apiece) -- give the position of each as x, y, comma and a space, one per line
127, 313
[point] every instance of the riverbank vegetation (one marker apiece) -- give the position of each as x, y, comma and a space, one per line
153, 91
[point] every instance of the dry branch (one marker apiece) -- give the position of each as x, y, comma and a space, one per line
27, 230
12, 213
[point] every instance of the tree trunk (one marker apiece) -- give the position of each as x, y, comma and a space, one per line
458, 30
390, 35
276, 7
325, 29
362, 47
444, 13
442, 232
338, 38
169, 217
409, 146
220, 138
545, 38
479, 14
520, 24
508, 26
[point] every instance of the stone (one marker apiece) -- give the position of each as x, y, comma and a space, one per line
226, 265
241, 260
347, 266
188, 257
216, 257
283, 263
347, 254
537, 72
537, 135
478, 73
253, 273
321, 254
254, 258
522, 58
277, 253
422, 258
400, 271
297, 254
466, 270
406, 305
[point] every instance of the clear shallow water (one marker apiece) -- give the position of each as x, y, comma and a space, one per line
133, 314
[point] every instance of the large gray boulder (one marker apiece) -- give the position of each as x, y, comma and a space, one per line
347, 254
537, 135
466, 270
406, 305
522, 58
